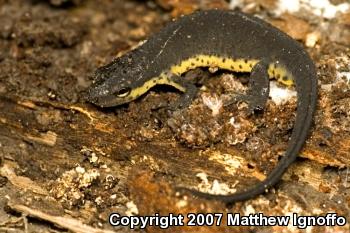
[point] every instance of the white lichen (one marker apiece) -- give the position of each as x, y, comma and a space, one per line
216, 187
235, 3
132, 209
214, 103
321, 8
280, 95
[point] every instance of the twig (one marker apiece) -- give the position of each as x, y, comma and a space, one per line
32, 104
64, 222
7, 170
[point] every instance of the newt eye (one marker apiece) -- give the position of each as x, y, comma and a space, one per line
123, 92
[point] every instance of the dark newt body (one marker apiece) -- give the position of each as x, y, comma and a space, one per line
224, 39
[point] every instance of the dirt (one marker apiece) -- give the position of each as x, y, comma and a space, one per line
66, 164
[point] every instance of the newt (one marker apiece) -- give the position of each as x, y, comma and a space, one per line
229, 40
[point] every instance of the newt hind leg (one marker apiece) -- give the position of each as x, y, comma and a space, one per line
259, 88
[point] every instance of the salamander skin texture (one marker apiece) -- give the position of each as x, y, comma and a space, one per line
228, 40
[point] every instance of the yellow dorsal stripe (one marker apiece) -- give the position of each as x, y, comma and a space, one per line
235, 65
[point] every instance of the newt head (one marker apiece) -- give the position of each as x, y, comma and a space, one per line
114, 84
